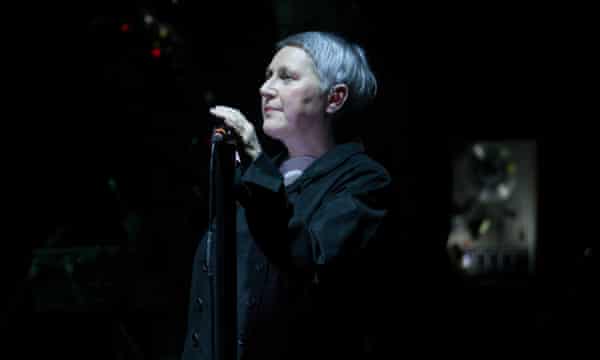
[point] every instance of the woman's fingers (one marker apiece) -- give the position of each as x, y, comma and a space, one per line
241, 127
232, 118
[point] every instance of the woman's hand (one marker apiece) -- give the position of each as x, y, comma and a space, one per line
243, 130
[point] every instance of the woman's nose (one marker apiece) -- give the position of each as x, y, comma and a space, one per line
266, 90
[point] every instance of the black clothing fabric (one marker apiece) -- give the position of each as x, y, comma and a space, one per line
304, 259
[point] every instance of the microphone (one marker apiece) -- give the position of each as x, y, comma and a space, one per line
222, 134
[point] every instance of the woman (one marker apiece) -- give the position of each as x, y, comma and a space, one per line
309, 215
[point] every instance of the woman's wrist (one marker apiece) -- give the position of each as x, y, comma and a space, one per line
254, 153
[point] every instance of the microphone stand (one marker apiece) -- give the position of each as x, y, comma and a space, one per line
221, 253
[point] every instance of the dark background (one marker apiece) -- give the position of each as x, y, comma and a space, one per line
120, 144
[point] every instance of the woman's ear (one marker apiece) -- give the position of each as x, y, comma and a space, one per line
336, 98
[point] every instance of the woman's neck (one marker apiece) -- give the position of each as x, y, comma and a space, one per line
313, 146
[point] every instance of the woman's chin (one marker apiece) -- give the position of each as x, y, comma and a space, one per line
273, 131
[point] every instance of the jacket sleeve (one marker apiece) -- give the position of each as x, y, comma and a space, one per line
336, 234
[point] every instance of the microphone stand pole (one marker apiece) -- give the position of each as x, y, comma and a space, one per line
221, 254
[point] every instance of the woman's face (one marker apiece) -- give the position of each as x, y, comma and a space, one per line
292, 100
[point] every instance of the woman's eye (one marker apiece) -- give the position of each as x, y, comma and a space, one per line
286, 76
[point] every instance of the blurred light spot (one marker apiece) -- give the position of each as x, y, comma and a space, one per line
467, 261
148, 19
479, 151
163, 32
503, 191
511, 168
484, 227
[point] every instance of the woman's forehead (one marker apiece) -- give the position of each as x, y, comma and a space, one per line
292, 57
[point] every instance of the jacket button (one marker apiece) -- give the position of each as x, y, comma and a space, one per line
196, 339
199, 304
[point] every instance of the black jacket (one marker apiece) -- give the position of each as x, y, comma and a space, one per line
303, 259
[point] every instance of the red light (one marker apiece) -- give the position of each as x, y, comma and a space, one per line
125, 27
156, 52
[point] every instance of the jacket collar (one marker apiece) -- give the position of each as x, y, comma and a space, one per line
325, 164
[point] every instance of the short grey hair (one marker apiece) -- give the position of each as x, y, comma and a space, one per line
338, 61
